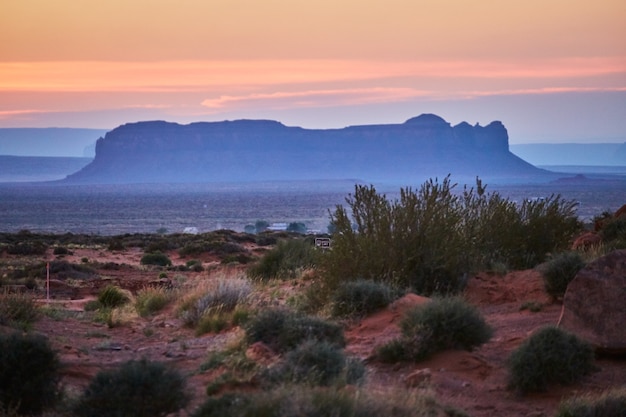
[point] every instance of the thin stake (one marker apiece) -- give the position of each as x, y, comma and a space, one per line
48, 282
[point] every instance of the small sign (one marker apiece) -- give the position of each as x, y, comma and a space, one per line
322, 242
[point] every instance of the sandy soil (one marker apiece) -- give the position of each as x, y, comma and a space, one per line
472, 381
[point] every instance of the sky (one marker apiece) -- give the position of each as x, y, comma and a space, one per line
551, 70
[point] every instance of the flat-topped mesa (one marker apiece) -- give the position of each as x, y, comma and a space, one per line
258, 150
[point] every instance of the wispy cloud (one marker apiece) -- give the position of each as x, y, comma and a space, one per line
364, 96
181, 76
308, 98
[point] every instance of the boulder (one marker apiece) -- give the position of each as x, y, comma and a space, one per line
594, 305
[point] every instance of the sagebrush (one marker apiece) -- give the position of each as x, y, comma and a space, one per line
440, 324
549, 356
29, 373
135, 389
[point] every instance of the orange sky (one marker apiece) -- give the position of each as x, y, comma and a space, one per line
317, 64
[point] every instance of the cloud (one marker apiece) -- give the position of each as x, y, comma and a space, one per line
363, 96
188, 76
316, 98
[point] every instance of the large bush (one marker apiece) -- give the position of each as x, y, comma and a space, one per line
430, 239
136, 389
283, 330
559, 271
29, 373
440, 324
549, 356
361, 297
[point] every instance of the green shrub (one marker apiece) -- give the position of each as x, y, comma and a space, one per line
195, 265
27, 248
156, 258
431, 239
136, 389
61, 250
65, 270
316, 363
213, 322
29, 373
559, 271
112, 296
283, 330
611, 403
440, 324
285, 260
116, 245
614, 229
549, 356
361, 297
161, 245
151, 300
18, 310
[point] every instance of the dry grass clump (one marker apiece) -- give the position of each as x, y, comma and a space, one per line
152, 300
611, 403
17, 310
213, 303
298, 401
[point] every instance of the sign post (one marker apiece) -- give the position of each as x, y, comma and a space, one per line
322, 242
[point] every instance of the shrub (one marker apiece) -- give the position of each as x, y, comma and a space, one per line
440, 324
27, 248
29, 373
614, 229
17, 310
361, 297
549, 356
156, 258
152, 300
65, 270
195, 265
136, 389
285, 260
429, 240
61, 250
316, 363
116, 245
283, 330
608, 404
560, 271
112, 296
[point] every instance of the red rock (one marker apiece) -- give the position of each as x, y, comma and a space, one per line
587, 240
594, 305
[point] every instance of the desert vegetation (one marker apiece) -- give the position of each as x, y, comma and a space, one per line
266, 323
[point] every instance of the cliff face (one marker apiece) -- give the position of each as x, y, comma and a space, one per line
247, 150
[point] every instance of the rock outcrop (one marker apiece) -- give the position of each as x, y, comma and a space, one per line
255, 150
594, 306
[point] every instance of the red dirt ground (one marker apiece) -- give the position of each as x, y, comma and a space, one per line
472, 381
